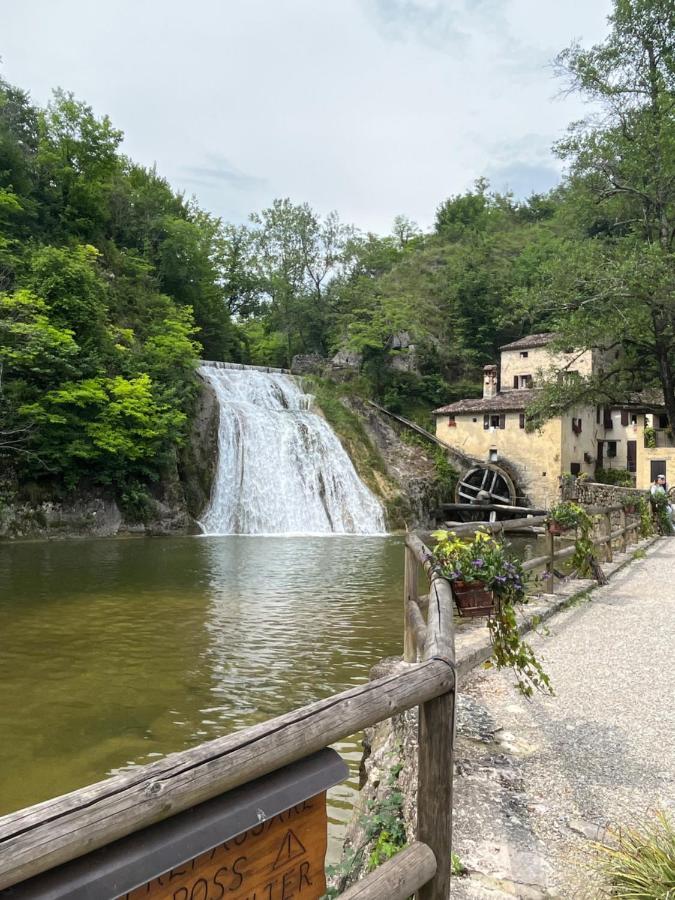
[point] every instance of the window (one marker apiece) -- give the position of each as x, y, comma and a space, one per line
663, 421
576, 426
451, 422
494, 421
575, 468
494, 455
522, 381
607, 418
611, 448
524, 354
521, 420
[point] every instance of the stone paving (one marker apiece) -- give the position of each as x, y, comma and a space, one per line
537, 781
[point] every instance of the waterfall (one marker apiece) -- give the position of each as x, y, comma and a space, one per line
281, 469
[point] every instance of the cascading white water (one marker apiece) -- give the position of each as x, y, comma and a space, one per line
281, 469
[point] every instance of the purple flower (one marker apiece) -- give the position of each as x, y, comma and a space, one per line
478, 563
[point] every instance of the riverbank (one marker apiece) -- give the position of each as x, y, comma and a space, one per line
491, 792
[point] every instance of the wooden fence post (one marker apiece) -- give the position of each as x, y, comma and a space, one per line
436, 734
550, 550
409, 596
608, 519
622, 522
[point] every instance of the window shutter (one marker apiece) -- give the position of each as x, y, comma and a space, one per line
521, 420
624, 417
502, 421
486, 422
607, 418
515, 381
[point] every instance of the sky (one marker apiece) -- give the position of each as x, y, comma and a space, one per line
371, 107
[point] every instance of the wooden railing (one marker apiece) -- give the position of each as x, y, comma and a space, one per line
38, 838
604, 536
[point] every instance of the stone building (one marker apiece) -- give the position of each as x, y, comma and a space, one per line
633, 436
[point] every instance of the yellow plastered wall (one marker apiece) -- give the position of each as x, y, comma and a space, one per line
533, 458
540, 359
645, 456
574, 446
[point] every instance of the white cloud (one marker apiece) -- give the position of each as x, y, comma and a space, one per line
370, 107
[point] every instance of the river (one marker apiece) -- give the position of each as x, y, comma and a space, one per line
117, 651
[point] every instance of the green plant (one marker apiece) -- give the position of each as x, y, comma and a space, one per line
484, 559
629, 501
457, 867
650, 437
645, 513
386, 825
568, 515
661, 506
620, 477
640, 862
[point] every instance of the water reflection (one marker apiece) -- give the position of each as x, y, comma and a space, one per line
116, 651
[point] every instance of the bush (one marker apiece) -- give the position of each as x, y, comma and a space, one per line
621, 477
641, 864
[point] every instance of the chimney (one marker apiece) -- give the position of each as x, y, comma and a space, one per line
489, 382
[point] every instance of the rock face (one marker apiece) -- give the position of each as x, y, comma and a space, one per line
199, 459
409, 466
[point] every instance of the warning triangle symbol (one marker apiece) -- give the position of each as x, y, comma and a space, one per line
290, 849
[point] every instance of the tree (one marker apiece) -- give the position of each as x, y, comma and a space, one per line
614, 285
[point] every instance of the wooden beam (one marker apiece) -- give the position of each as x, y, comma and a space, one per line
409, 597
40, 837
436, 730
398, 877
418, 629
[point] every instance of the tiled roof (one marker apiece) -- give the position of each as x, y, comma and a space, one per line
532, 340
652, 398
503, 402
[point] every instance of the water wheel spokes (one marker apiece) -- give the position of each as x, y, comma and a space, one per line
484, 485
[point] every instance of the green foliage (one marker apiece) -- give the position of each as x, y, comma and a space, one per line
650, 437
661, 506
639, 862
457, 867
620, 477
569, 515
646, 521
106, 278
385, 825
484, 559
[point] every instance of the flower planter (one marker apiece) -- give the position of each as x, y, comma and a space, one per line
554, 528
473, 598
629, 509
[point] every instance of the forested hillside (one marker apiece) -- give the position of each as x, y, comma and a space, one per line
112, 285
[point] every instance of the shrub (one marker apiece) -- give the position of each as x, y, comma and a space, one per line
621, 477
641, 863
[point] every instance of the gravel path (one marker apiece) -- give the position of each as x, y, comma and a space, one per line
539, 780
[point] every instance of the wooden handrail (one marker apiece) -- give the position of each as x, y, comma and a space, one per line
42, 836
398, 877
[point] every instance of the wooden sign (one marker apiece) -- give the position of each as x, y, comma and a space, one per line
280, 859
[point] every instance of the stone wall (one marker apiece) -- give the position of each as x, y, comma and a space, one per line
592, 493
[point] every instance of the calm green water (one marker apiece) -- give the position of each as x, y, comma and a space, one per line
114, 652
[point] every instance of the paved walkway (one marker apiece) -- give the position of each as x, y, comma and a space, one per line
539, 780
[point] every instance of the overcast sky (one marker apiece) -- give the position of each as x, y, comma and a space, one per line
370, 107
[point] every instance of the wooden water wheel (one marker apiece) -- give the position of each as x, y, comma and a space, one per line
485, 484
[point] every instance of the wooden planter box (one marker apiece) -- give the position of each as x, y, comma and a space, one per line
630, 509
554, 528
473, 598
